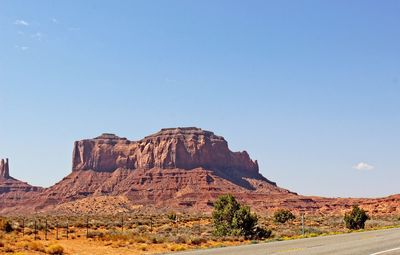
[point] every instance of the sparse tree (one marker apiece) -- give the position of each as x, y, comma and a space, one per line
356, 218
231, 218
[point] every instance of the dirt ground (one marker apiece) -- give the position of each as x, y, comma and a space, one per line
144, 234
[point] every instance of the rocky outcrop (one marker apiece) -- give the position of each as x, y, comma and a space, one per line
175, 169
183, 148
179, 168
175, 164
4, 169
9, 184
14, 194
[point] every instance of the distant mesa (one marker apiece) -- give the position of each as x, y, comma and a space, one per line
182, 148
183, 168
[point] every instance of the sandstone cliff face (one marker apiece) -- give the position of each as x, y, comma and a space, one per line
175, 169
183, 148
180, 164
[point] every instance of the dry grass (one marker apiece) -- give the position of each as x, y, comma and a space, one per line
145, 234
55, 249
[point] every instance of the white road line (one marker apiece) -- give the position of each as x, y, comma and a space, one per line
382, 252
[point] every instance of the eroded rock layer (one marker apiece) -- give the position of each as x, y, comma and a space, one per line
175, 169
183, 148
14, 194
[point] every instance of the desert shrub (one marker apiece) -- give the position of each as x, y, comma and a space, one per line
167, 229
24, 244
314, 231
231, 218
262, 233
94, 234
283, 216
157, 239
117, 235
36, 246
142, 229
55, 249
172, 216
198, 241
139, 239
356, 218
178, 240
7, 227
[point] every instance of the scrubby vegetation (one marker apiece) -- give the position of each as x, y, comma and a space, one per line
283, 216
145, 233
172, 216
5, 225
233, 219
356, 218
55, 249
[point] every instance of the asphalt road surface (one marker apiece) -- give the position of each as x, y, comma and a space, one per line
380, 242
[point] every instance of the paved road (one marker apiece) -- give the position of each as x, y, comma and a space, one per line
380, 242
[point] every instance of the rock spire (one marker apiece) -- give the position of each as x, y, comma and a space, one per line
4, 169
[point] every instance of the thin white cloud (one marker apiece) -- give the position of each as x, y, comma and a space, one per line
22, 48
20, 22
54, 20
37, 36
363, 166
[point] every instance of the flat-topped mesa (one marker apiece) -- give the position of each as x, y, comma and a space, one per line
183, 148
4, 169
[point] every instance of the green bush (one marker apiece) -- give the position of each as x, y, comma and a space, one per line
282, 216
356, 218
232, 219
6, 226
262, 233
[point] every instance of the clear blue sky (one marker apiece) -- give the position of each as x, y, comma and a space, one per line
311, 89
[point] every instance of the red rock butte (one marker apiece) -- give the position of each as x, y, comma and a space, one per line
174, 169
183, 148
13, 191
